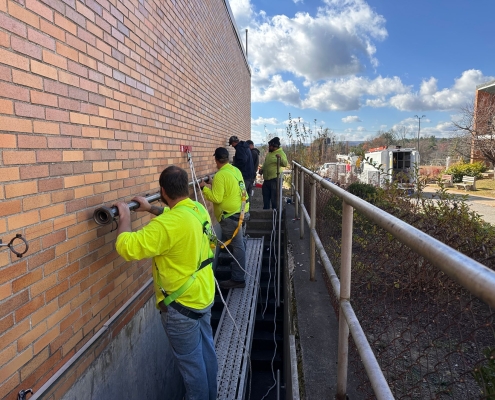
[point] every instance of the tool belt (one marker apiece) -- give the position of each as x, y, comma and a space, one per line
181, 309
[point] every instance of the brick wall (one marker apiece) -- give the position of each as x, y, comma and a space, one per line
484, 104
95, 99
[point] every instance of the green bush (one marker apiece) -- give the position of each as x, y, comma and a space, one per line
459, 170
364, 191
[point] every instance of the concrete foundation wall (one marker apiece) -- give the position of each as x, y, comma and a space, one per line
136, 365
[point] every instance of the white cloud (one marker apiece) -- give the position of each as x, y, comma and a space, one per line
260, 121
430, 97
347, 94
277, 90
298, 1
335, 42
350, 118
361, 129
243, 12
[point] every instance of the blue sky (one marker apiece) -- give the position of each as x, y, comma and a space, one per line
361, 66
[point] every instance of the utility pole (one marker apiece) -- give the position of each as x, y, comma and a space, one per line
419, 126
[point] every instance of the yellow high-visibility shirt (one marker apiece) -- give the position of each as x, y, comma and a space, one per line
270, 164
177, 244
225, 192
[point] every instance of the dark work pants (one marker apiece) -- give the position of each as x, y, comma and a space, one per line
269, 191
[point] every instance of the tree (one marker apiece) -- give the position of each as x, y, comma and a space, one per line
474, 132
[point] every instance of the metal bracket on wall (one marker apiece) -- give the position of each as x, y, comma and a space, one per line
22, 394
12, 243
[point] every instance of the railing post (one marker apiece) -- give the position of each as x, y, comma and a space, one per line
345, 295
295, 176
280, 187
312, 225
301, 192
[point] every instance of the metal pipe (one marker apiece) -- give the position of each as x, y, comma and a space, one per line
472, 275
345, 295
301, 191
373, 370
279, 241
105, 215
312, 225
295, 175
93, 339
278, 384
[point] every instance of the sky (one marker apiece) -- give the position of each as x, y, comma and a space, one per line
358, 67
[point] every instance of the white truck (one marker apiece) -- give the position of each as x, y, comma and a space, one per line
389, 163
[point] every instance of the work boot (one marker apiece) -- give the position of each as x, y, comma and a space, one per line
230, 284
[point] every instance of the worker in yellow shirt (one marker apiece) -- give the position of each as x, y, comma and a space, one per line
226, 194
182, 276
269, 170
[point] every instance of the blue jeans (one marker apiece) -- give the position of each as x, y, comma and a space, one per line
194, 353
238, 248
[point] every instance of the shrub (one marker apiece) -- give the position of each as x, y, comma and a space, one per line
459, 170
364, 191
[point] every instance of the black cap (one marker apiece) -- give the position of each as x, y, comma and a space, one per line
249, 142
221, 153
233, 139
275, 142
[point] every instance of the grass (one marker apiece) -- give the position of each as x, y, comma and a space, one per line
484, 187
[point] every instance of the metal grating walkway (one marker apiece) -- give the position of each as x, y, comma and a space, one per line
233, 341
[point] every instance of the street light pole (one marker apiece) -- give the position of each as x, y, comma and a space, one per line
419, 126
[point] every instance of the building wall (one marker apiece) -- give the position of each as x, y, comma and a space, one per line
483, 100
95, 99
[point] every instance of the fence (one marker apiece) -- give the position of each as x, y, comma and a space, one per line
420, 313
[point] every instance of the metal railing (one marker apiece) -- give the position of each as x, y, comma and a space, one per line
416, 370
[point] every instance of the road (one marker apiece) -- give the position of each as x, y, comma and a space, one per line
484, 206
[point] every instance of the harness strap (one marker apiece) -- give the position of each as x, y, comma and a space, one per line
169, 298
243, 207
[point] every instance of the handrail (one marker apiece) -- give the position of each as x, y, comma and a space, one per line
470, 274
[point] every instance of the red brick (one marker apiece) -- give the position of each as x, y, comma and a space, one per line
51, 156
57, 115
31, 142
49, 128
6, 323
44, 98
33, 172
15, 125
24, 15
54, 59
54, 238
19, 157
56, 291
69, 79
25, 47
9, 174
13, 366
13, 91
26, 79
41, 39
24, 219
13, 303
7, 141
66, 51
10, 208
12, 25
27, 280
40, 9
55, 87
29, 307
52, 30
48, 185
28, 110
42, 258
6, 107
59, 143
4, 39
43, 69
65, 24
